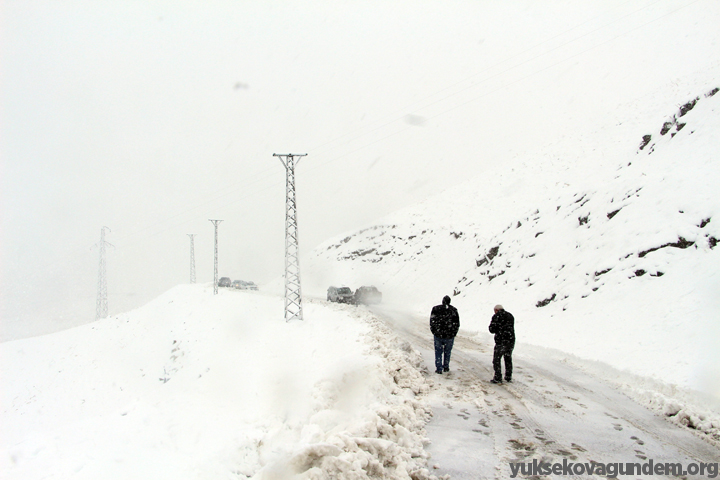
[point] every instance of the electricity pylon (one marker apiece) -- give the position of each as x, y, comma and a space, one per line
101, 305
192, 257
293, 291
215, 281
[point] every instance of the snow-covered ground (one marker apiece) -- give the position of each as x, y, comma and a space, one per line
604, 248
200, 386
602, 242
601, 246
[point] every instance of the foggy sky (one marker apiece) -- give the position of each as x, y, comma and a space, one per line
151, 117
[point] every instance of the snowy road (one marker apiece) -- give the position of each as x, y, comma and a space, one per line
551, 412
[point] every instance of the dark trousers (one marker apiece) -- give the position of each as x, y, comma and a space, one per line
443, 347
503, 351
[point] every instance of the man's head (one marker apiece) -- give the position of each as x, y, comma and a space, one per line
446, 300
498, 308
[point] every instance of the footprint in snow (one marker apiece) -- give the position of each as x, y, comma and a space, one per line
520, 445
567, 454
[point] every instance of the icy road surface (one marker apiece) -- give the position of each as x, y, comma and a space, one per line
550, 412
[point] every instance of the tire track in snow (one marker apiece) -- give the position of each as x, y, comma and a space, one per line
551, 412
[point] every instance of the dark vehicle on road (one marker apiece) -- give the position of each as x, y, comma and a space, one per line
367, 295
340, 295
224, 282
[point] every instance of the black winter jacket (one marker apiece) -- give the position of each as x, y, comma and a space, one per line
444, 321
503, 326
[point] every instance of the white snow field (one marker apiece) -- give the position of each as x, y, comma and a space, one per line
197, 386
602, 242
605, 252
603, 246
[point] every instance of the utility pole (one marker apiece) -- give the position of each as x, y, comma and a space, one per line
215, 281
101, 305
192, 257
293, 291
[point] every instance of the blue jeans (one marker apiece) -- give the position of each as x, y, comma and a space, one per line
443, 346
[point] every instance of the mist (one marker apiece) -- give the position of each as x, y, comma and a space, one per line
152, 117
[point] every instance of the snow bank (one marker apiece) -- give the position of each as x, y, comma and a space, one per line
692, 409
375, 432
201, 386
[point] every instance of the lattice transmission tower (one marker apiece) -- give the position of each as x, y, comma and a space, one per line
293, 290
192, 257
101, 304
215, 281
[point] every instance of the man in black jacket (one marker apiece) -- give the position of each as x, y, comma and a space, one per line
444, 325
503, 326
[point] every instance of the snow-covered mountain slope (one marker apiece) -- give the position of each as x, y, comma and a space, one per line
603, 246
200, 386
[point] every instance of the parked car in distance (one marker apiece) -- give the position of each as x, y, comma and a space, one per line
224, 282
340, 295
367, 295
243, 285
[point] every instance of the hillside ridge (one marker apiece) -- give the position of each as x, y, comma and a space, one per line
596, 252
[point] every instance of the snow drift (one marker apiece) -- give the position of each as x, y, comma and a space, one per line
200, 386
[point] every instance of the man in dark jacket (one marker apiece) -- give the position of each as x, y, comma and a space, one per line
444, 325
503, 326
